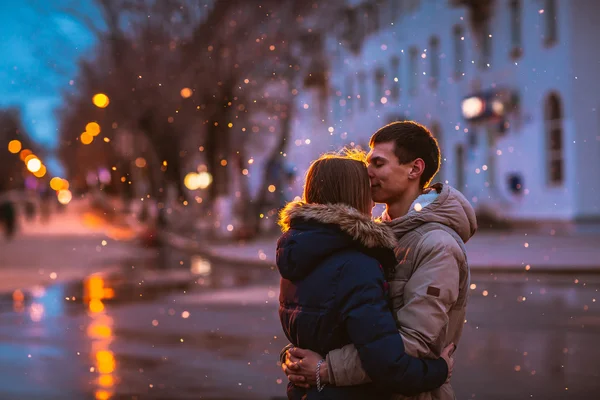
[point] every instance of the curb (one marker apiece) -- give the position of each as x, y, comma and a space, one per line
190, 245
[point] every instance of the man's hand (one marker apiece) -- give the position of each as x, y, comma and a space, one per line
300, 366
447, 356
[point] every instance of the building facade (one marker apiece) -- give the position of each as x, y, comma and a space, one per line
508, 87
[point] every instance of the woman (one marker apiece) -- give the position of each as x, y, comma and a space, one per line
331, 259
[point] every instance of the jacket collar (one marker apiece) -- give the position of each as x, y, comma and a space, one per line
359, 226
449, 208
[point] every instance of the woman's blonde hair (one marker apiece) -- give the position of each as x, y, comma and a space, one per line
339, 179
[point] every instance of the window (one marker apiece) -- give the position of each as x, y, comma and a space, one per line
349, 95
362, 81
371, 18
336, 107
460, 167
413, 71
434, 61
459, 51
395, 75
485, 58
550, 34
379, 83
394, 8
397, 117
436, 131
412, 5
515, 28
554, 140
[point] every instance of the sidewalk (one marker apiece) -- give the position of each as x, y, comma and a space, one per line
70, 246
487, 251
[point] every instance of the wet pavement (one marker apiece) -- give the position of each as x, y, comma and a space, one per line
180, 327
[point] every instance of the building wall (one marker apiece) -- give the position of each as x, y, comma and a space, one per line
584, 107
542, 68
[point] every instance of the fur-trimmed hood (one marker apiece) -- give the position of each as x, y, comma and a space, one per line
313, 232
356, 224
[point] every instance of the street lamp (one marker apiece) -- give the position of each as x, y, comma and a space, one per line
195, 181
64, 196
34, 165
492, 105
41, 172
86, 138
93, 128
101, 100
186, 92
473, 107
14, 146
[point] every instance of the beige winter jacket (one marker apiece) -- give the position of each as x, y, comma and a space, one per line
429, 286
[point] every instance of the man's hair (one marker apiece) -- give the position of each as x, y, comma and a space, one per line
339, 179
411, 141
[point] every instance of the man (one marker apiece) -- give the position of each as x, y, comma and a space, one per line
429, 286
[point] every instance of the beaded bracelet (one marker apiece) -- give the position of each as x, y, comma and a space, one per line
319, 387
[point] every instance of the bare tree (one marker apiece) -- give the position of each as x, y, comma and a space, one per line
172, 64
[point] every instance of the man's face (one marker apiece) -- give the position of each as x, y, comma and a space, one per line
389, 178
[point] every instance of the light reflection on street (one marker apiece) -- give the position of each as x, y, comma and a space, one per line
36, 312
18, 298
100, 332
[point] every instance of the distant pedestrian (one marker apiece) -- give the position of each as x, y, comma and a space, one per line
8, 218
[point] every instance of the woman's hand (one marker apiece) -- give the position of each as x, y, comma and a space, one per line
301, 367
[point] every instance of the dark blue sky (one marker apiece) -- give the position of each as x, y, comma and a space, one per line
33, 35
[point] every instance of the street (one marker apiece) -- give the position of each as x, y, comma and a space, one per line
168, 325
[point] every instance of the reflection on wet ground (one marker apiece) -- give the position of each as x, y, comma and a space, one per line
179, 327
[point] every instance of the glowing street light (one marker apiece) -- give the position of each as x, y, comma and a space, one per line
194, 181
24, 154
186, 92
41, 172
473, 107
204, 180
101, 100
92, 128
140, 162
64, 196
56, 183
34, 165
191, 181
14, 146
86, 138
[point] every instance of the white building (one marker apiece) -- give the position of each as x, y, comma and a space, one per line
534, 153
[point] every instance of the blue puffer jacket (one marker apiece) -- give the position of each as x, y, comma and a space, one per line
331, 259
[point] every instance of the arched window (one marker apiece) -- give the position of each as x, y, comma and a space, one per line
379, 77
459, 168
395, 78
362, 87
554, 139
459, 51
349, 95
336, 107
550, 23
434, 61
413, 72
485, 56
436, 131
515, 28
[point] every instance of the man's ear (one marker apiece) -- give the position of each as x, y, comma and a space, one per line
418, 167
